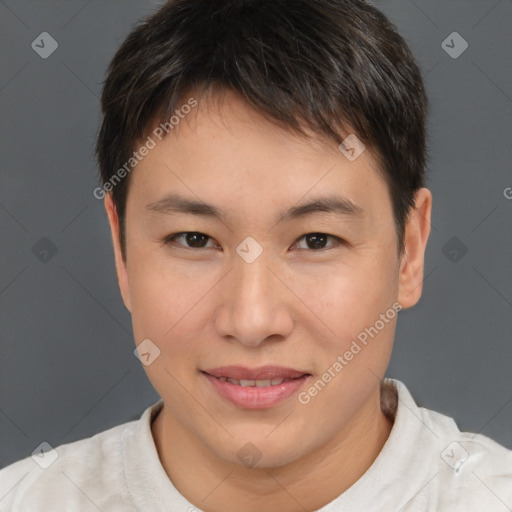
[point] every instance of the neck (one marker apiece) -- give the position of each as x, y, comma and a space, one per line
308, 483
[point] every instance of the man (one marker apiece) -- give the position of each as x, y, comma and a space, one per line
262, 168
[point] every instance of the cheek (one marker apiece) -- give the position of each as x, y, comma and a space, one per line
348, 309
162, 306
359, 310
354, 296
158, 299
169, 306
150, 304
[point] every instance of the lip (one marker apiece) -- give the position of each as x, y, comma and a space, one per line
248, 397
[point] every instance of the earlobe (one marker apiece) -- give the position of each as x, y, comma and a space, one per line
122, 274
415, 241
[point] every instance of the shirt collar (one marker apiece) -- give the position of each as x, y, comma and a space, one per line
380, 488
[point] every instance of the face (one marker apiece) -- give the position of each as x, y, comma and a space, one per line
258, 279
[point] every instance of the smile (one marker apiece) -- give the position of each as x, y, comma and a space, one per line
259, 388
254, 383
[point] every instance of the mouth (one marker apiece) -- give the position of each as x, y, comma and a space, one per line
255, 388
260, 383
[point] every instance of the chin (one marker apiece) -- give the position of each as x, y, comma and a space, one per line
262, 453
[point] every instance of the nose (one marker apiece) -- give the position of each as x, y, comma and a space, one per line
255, 304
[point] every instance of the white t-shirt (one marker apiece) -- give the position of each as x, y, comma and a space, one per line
426, 464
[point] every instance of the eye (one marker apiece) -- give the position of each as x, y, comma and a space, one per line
195, 239
318, 241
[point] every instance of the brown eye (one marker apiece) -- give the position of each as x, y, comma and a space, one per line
192, 239
195, 240
318, 241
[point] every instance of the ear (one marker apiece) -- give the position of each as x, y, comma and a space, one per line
416, 235
122, 275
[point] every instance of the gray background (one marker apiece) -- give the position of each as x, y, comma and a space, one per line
67, 369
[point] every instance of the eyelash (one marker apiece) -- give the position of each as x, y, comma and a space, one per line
171, 238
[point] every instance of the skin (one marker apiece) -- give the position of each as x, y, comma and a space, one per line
296, 305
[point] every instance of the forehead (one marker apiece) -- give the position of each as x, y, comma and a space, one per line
225, 153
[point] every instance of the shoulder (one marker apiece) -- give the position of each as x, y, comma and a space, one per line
445, 468
472, 469
81, 475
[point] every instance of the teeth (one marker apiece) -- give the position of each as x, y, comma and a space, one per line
254, 383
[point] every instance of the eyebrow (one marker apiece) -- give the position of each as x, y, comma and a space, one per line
333, 204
